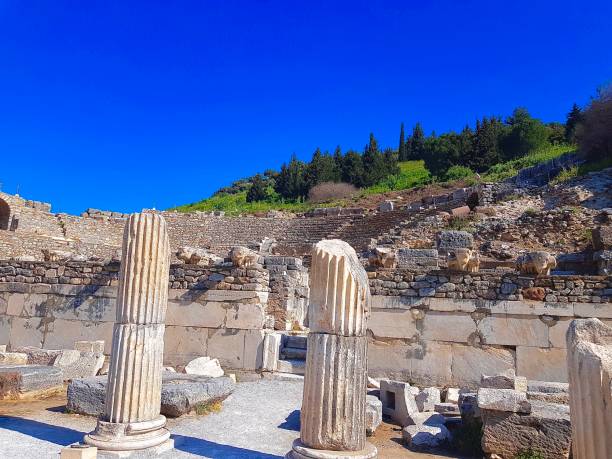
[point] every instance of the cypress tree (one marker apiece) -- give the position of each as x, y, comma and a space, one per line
417, 142
573, 118
258, 191
401, 151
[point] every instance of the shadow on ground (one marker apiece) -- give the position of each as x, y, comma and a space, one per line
214, 450
54, 434
292, 422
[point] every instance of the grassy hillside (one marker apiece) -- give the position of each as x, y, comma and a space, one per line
412, 174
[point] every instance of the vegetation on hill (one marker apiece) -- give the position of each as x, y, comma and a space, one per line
493, 150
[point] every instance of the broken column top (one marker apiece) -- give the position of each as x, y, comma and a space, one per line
340, 293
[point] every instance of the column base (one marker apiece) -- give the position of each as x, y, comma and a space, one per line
126, 438
299, 451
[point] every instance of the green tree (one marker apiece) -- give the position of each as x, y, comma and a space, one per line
291, 183
573, 118
417, 143
556, 133
322, 168
594, 133
524, 134
401, 151
352, 169
486, 143
258, 190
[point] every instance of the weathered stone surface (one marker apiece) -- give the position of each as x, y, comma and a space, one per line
541, 364
469, 362
392, 323
503, 400
602, 238
506, 380
452, 327
180, 394
527, 331
451, 239
334, 262
545, 431
373, 414
19, 380
539, 263
589, 360
75, 364
90, 346
38, 356
398, 402
79, 451
428, 418
427, 398
13, 358
426, 436
133, 396
197, 256
452, 395
243, 257
204, 366
447, 409
336, 359
417, 258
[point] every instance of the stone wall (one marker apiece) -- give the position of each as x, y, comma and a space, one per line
219, 312
288, 299
447, 329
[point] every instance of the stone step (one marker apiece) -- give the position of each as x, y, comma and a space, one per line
297, 342
296, 367
293, 353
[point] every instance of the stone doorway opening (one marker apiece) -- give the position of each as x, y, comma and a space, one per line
5, 214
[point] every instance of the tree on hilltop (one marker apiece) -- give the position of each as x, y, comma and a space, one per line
258, 190
573, 118
401, 151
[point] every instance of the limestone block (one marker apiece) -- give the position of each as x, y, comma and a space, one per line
390, 323
15, 304
62, 334
17, 381
397, 401
2, 347
469, 362
541, 364
545, 432
598, 310
339, 290
505, 380
452, 395
503, 400
227, 345
529, 308
204, 366
271, 351
528, 331
90, 346
13, 358
451, 327
417, 258
197, 256
451, 239
427, 398
182, 344
589, 360
388, 360
373, 414
428, 418
27, 332
426, 436
210, 314
539, 263
253, 349
79, 451
245, 316
447, 409
557, 333
430, 363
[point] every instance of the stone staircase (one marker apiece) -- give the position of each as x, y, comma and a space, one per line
292, 355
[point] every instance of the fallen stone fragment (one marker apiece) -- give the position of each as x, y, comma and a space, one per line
452, 395
89, 346
373, 414
38, 356
13, 358
397, 401
180, 393
426, 436
373, 384
447, 409
545, 432
503, 400
506, 380
427, 398
548, 387
79, 451
204, 366
17, 381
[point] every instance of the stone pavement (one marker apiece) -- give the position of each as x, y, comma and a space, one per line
259, 420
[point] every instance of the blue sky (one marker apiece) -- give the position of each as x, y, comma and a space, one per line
122, 104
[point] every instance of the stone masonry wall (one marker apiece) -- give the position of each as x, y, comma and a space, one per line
448, 329
219, 312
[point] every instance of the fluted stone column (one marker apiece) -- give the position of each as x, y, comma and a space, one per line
132, 419
334, 401
589, 361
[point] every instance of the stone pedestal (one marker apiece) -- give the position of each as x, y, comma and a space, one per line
589, 361
333, 415
132, 419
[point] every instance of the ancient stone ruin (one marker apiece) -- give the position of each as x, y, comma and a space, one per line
132, 419
334, 407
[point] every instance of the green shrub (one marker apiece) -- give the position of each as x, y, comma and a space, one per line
530, 212
458, 173
461, 224
565, 175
